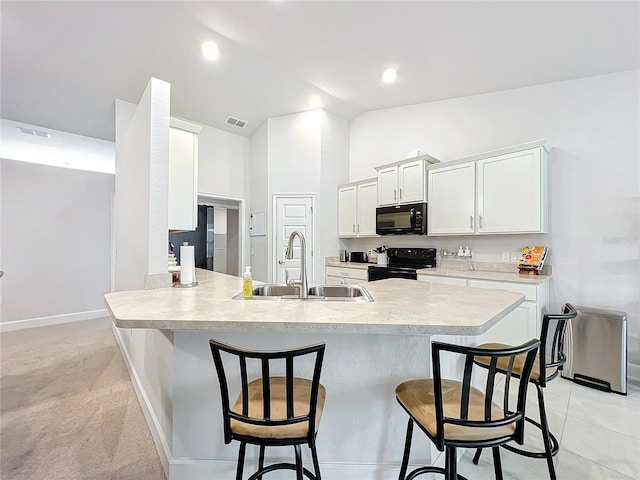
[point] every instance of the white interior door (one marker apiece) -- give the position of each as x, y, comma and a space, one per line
293, 214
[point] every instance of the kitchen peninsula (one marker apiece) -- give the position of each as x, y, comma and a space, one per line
371, 347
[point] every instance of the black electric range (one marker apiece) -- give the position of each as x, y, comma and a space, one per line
403, 263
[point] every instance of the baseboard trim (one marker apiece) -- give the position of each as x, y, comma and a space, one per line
157, 433
52, 320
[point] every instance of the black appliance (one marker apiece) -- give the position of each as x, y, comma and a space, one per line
358, 257
403, 263
402, 219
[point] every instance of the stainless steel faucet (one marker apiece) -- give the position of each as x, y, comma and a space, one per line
302, 282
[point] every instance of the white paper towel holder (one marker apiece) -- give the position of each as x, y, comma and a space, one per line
182, 270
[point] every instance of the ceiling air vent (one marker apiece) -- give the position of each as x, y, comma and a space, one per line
37, 133
236, 122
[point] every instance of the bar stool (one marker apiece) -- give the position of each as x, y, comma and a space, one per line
548, 363
271, 410
454, 414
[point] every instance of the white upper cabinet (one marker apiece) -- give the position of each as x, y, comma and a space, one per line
357, 209
502, 192
183, 175
388, 186
411, 182
452, 200
367, 197
403, 182
347, 214
510, 193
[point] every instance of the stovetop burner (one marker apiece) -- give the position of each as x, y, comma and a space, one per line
403, 263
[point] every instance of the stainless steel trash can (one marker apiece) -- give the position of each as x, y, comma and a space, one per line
596, 348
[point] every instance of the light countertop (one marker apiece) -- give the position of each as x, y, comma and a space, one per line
400, 307
500, 276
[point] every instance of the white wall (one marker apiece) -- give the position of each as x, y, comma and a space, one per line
592, 125
56, 241
294, 155
335, 171
258, 173
303, 153
142, 179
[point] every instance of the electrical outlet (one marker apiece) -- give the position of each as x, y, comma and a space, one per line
515, 256
505, 256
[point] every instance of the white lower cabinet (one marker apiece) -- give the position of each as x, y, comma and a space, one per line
521, 325
345, 275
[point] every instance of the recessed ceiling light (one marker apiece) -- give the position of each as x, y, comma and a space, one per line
389, 75
210, 50
314, 102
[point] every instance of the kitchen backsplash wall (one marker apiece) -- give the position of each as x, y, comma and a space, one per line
485, 249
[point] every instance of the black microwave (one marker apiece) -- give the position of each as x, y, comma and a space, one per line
402, 219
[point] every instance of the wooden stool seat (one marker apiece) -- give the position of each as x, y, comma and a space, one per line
301, 405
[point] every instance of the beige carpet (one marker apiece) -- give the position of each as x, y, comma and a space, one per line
68, 409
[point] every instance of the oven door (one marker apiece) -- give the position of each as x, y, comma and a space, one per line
380, 273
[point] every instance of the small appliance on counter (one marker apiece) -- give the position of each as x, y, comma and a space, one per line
358, 257
344, 256
403, 263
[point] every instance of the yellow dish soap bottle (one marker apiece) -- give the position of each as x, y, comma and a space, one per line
247, 283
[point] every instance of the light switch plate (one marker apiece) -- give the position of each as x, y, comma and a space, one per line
505, 256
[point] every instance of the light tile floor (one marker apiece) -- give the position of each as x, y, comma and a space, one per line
599, 435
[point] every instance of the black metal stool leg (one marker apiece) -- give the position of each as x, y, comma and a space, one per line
545, 433
451, 462
299, 473
407, 451
476, 457
314, 456
497, 464
240, 466
261, 460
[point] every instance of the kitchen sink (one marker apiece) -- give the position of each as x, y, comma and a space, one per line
345, 293
340, 291
275, 291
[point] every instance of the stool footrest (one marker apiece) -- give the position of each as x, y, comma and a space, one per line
555, 446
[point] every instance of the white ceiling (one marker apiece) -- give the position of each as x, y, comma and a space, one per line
64, 63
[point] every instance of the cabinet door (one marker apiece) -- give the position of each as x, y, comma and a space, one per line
183, 180
388, 186
510, 193
347, 211
411, 182
451, 204
367, 199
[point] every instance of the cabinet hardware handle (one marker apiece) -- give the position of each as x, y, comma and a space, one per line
358, 229
400, 194
395, 194
354, 228
471, 222
480, 222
